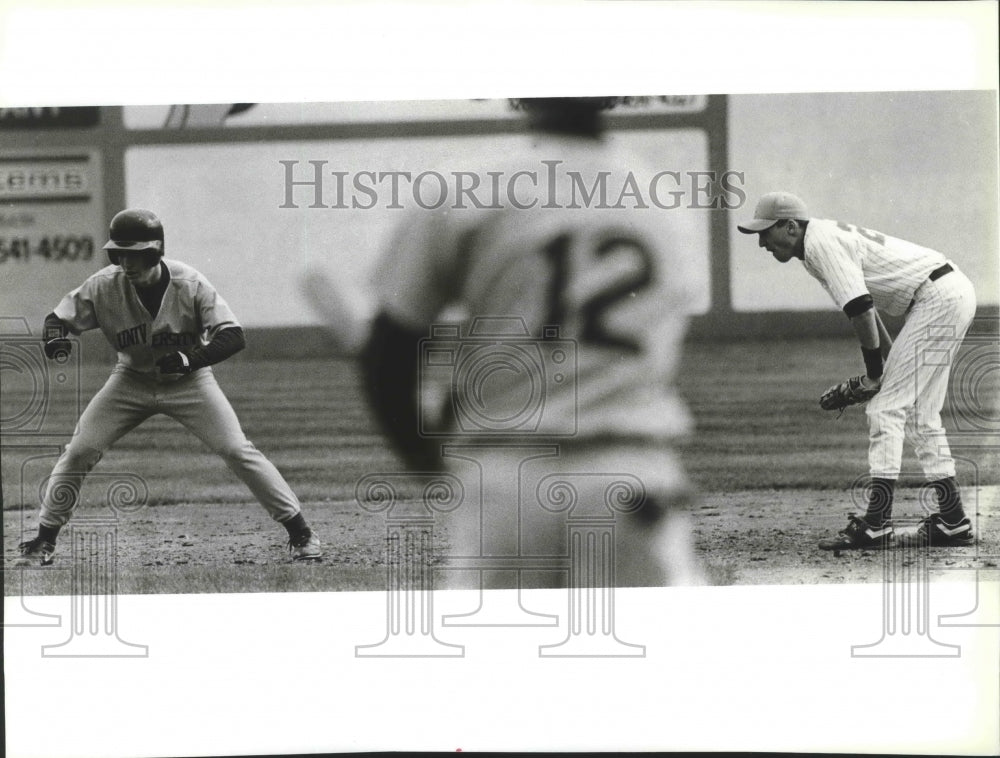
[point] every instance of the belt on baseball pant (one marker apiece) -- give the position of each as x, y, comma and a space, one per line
939, 272
933, 277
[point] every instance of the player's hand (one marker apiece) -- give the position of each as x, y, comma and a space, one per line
57, 349
174, 363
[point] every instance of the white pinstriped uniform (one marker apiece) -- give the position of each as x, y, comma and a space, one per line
849, 262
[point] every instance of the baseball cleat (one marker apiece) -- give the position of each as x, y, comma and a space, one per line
859, 535
934, 531
35, 551
305, 547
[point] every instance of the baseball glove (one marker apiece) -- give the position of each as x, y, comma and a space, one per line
851, 392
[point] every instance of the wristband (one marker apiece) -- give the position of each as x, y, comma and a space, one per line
873, 362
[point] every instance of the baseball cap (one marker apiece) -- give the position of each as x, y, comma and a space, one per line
134, 230
773, 207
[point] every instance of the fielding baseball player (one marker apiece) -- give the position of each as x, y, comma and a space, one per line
614, 281
169, 325
863, 270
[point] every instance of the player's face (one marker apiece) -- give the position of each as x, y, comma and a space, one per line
137, 269
780, 241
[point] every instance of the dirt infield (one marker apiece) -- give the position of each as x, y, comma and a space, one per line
775, 472
745, 538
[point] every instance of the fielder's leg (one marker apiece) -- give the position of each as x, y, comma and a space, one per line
941, 316
886, 413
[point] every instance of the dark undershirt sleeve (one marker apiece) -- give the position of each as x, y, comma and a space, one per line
859, 305
225, 344
389, 365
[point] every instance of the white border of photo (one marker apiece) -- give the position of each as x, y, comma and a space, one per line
729, 668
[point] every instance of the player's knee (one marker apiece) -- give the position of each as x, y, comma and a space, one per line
237, 452
80, 458
880, 417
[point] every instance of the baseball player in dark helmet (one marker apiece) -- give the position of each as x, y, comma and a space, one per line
169, 326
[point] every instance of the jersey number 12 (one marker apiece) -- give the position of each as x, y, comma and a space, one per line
595, 307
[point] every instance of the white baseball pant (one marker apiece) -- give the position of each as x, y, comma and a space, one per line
915, 380
196, 401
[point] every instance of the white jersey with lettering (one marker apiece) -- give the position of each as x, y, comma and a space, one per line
190, 314
614, 279
850, 261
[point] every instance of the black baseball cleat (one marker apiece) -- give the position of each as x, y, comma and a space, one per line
859, 535
305, 547
35, 551
934, 531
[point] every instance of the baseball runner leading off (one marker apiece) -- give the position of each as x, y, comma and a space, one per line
168, 325
862, 269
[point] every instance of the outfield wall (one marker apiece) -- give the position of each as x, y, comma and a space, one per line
920, 165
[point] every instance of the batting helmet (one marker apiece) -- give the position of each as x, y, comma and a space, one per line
135, 230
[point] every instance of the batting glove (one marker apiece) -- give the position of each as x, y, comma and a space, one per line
174, 363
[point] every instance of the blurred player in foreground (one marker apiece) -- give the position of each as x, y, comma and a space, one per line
614, 281
863, 270
169, 325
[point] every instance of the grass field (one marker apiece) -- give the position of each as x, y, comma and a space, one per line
774, 470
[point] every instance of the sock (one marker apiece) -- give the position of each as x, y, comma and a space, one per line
48, 533
880, 501
949, 500
297, 526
